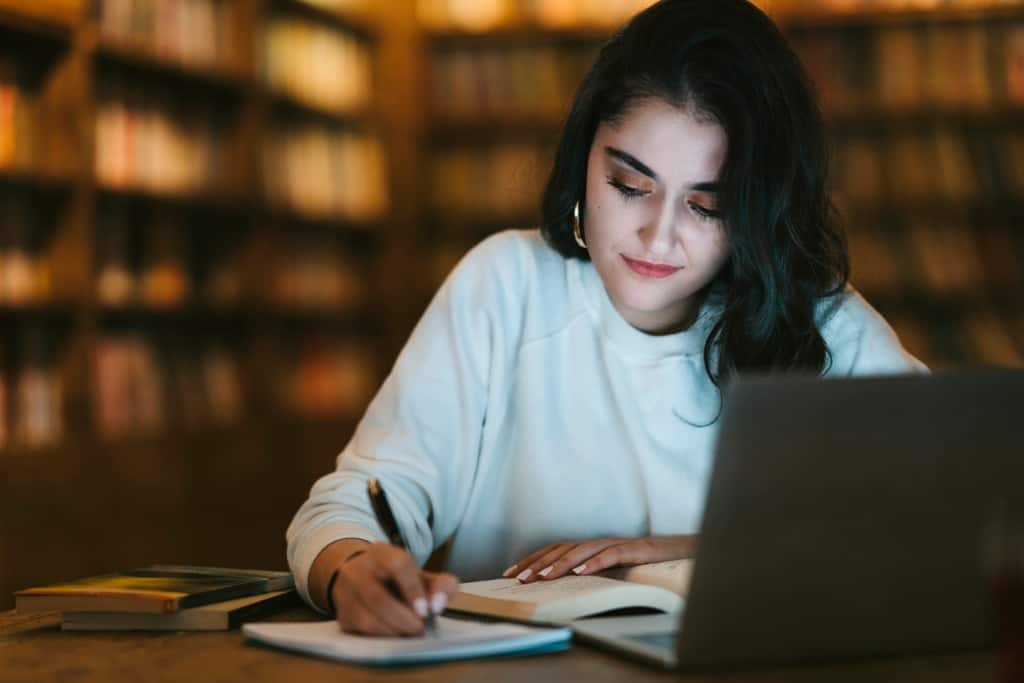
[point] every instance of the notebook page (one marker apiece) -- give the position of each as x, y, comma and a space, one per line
455, 639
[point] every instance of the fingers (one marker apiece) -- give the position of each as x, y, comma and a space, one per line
522, 564
380, 592
440, 588
530, 567
578, 559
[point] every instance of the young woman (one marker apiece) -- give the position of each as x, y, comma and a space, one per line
555, 407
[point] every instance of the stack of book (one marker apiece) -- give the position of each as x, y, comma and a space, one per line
162, 598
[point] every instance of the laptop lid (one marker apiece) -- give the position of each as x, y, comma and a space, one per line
845, 517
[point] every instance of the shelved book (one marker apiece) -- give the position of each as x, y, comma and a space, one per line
157, 589
658, 587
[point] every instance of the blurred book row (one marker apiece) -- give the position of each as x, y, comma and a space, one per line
25, 269
322, 171
316, 274
31, 389
17, 132
516, 80
140, 388
489, 182
195, 32
482, 15
948, 259
797, 8
948, 340
320, 376
321, 65
930, 163
164, 259
968, 66
158, 141
146, 385
151, 259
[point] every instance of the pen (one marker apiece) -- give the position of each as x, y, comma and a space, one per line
386, 519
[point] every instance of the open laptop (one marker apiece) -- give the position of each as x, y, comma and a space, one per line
844, 518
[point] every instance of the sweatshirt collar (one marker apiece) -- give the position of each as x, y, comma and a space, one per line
629, 341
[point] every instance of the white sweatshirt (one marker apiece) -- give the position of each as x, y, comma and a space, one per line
525, 410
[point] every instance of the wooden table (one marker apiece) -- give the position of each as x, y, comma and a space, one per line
40, 651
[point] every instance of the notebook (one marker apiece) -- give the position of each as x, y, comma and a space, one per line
845, 517
455, 639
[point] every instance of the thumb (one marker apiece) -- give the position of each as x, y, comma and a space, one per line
440, 588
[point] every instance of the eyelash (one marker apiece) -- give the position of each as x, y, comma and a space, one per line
629, 193
626, 191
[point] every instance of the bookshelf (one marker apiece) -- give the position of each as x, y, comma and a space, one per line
923, 107
194, 212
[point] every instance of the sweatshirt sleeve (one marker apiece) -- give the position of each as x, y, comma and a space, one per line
861, 342
421, 433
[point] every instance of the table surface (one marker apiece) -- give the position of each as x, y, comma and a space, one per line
33, 648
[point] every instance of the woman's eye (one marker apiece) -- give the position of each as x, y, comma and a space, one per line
627, 191
704, 212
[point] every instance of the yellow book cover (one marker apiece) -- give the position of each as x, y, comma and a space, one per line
157, 589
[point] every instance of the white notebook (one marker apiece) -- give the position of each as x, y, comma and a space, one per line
455, 639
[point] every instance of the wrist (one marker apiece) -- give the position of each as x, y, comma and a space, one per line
334, 577
329, 558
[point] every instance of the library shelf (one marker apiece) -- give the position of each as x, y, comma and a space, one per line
33, 179
346, 20
41, 311
517, 34
295, 105
925, 114
368, 232
462, 226
179, 72
206, 199
48, 34
446, 126
961, 303
299, 320
189, 313
872, 19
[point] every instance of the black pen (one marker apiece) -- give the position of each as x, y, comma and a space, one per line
386, 519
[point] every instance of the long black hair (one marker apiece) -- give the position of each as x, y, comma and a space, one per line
727, 61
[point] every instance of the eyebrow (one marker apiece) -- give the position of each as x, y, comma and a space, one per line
641, 167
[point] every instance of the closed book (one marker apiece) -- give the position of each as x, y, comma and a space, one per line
218, 616
158, 589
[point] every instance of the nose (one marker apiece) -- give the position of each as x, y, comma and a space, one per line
659, 232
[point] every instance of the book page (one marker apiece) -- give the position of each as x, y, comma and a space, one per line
540, 591
673, 575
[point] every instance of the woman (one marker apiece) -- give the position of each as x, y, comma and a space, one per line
555, 407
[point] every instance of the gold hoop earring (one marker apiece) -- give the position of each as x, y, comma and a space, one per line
577, 231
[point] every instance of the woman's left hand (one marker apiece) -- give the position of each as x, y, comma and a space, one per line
590, 557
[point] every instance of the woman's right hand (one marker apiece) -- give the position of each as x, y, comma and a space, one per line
381, 591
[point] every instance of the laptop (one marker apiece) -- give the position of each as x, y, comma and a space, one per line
844, 518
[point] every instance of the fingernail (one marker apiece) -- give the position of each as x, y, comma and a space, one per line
580, 569
438, 603
508, 572
420, 605
545, 571
524, 575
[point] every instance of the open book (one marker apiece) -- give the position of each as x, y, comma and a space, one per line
660, 587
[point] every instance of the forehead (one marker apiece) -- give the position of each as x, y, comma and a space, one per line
677, 144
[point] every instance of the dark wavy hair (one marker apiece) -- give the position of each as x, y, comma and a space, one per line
726, 60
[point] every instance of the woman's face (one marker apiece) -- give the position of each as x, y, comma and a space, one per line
650, 220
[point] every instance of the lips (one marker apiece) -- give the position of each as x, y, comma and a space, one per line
651, 270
